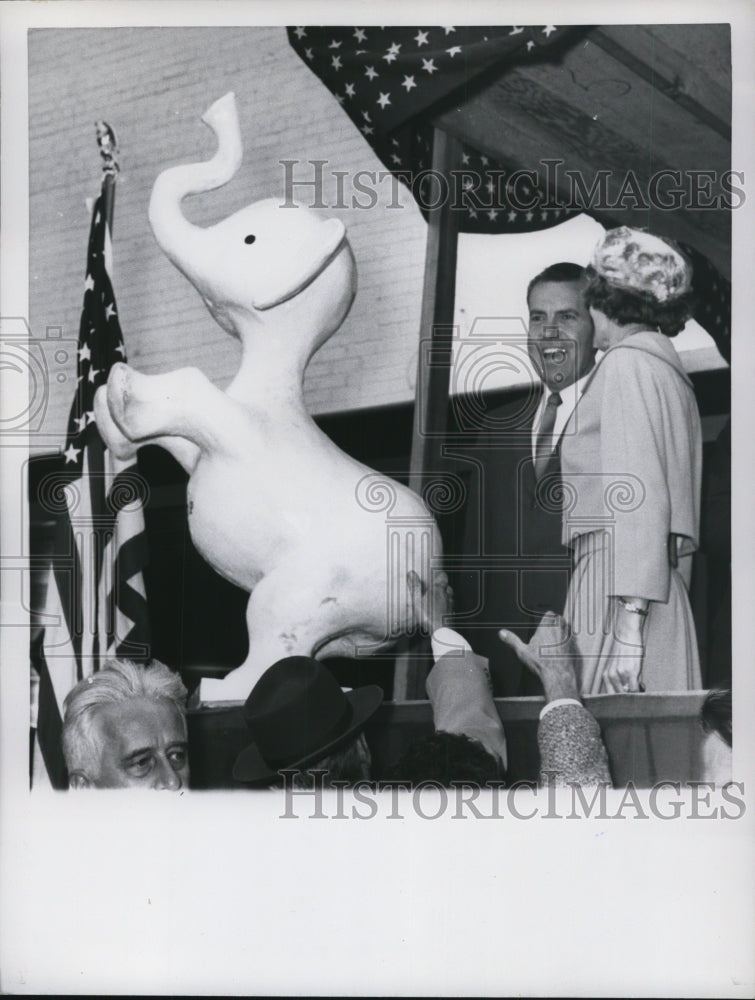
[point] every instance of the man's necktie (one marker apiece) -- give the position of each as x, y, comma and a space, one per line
544, 443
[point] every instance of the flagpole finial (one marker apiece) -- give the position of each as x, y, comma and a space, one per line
108, 144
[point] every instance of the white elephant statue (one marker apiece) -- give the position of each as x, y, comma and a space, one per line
274, 506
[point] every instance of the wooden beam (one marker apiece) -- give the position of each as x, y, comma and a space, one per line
677, 73
631, 105
518, 122
433, 362
436, 320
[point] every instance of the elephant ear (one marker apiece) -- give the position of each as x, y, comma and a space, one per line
294, 263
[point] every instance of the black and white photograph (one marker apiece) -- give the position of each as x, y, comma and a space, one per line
376, 458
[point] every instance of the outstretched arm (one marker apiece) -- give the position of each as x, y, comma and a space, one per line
569, 738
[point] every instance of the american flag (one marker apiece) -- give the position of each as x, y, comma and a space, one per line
392, 81
96, 605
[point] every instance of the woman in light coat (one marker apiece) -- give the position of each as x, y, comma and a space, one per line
631, 470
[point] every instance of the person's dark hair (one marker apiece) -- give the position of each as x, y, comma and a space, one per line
446, 758
350, 763
564, 271
624, 306
716, 713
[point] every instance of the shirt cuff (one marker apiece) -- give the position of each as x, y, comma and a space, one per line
556, 702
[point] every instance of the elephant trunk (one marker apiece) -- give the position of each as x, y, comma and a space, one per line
180, 240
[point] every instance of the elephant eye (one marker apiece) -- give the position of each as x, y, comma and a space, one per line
249, 239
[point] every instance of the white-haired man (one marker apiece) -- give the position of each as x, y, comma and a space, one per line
125, 727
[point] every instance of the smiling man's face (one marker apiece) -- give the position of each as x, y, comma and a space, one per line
560, 340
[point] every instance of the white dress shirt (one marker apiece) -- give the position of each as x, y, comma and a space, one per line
569, 398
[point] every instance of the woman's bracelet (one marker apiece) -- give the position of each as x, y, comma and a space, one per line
635, 609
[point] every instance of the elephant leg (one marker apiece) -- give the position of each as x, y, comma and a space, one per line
182, 403
184, 451
117, 442
289, 614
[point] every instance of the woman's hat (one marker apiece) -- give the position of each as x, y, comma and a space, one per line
297, 713
639, 262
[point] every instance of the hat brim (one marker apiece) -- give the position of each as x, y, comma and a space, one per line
250, 766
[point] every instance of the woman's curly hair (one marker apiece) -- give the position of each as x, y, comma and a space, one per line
624, 306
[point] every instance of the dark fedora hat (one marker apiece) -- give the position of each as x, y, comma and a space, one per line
296, 714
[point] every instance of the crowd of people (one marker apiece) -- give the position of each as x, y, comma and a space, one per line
605, 610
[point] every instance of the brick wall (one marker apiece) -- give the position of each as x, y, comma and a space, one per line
152, 85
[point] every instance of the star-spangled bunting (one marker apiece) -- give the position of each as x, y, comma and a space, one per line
392, 81
96, 605
387, 79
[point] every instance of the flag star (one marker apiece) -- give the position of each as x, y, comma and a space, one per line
489, 186
557, 212
390, 57
530, 45
334, 45
492, 215
84, 353
528, 216
300, 33
360, 34
335, 62
384, 100
82, 422
454, 50
110, 310
93, 373
396, 159
371, 73
309, 53
515, 30
428, 65
121, 350
366, 116
472, 214
484, 161
350, 91
394, 142
448, 30
465, 157
421, 38
367, 129
72, 454
548, 30
543, 215
395, 48
408, 83
511, 216
89, 283
90, 417
467, 183
339, 97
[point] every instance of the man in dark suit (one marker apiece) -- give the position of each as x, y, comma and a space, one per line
512, 516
